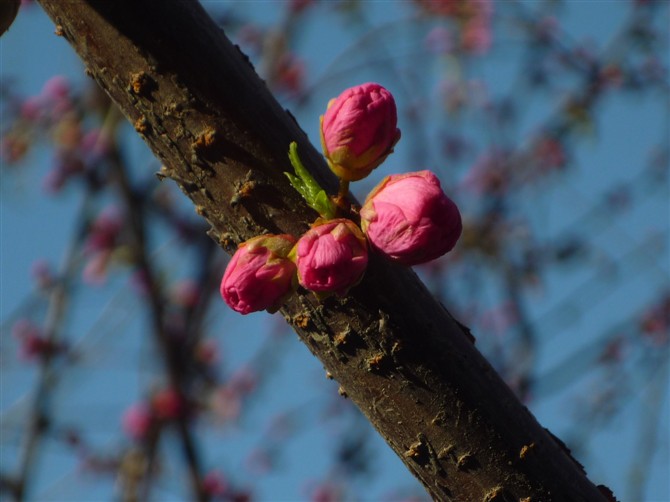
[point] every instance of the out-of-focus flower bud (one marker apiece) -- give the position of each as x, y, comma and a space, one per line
43, 274
409, 219
56, 88
104, 231
167, 404
225, 403
215, 484
33, 343
137, 421
185, 293
359, 130
207, 352
259, 275
331, 256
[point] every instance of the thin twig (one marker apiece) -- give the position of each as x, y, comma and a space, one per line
135, 210
40, 407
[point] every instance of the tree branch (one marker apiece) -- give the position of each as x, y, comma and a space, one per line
40, 414
156, 303
398, 354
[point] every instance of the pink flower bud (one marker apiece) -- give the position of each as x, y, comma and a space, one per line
104, 231
207, 352
167, 404
409, 219
137, 420
33, 347
259, 275
185, 293
331, 256
56, 88
226, 403
359, 130
33, 343
43, 274
215, 484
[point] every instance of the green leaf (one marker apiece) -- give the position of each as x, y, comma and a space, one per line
324, 205
315, 196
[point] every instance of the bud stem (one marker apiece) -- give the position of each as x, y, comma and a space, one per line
342, 199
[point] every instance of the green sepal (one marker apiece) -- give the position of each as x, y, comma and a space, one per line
315, 196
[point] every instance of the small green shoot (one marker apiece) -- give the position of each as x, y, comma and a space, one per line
315, 196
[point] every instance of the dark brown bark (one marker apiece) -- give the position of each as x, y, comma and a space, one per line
397, 353
8, 11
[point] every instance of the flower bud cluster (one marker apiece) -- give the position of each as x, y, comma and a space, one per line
407, 218
81, 149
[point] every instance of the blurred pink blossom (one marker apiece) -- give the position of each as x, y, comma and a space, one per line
33, 347
499, 318
289, 74
139, 281
215, 484
486, 176
167, 404
185, 293
13, 147
477, 37
55, 98
549, 153
474, 17
57, 87
243, 381
259, 461
32, 342
95, 269
42, 274
207, 352
298, 6
440, 40
655, 323
31, 108
94, 143
101, 241
67, 164
137, 421
251, 37
325, 491
614, 351
226, 403
104, 230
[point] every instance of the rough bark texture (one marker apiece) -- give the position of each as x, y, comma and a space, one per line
397, 353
